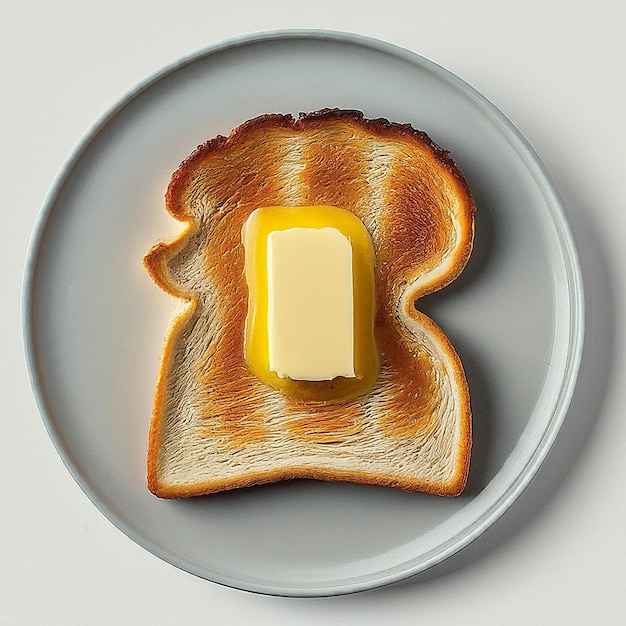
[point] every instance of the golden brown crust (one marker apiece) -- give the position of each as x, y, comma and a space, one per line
279, 474
411, 232
380, 127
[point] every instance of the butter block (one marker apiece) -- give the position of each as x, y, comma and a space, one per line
310, 304
309, 328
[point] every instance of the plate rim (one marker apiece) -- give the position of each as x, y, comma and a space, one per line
568, 255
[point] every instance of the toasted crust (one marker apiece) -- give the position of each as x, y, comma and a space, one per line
214, 425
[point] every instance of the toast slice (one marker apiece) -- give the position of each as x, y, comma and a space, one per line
215, 426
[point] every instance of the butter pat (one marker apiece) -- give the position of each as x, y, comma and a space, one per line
309, 329
310, 304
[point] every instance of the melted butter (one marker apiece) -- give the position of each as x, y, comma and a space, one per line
256, 232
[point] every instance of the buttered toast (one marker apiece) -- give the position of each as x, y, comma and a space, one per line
215, 424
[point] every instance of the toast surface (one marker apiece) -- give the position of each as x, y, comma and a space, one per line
215, 426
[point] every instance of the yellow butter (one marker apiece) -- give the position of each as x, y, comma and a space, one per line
310, 325
310, 304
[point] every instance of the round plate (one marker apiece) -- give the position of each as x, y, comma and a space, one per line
94, 322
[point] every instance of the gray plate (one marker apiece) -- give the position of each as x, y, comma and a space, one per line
94, 322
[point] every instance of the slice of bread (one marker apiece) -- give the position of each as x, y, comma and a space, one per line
215, 426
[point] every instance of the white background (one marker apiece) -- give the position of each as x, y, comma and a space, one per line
557, 70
